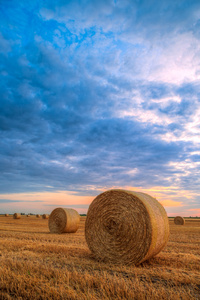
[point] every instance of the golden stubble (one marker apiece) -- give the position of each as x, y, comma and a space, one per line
36, 264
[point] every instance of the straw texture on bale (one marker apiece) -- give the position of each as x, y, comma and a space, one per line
63, 220
37, 216
17, 216
44, 216
126, 227
6, 215
179, 220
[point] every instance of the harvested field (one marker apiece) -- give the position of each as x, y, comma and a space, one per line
37, 264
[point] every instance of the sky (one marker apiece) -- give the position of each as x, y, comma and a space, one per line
96, 95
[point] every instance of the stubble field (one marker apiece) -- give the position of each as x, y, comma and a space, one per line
35, 264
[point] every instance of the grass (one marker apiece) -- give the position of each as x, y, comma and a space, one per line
35, 264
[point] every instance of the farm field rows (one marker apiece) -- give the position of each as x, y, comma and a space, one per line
36, 264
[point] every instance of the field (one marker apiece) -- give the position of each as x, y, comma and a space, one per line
35, 264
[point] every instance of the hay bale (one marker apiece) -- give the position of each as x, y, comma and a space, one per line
17, 216
6, 215
37, 216
179, 220
44, 216
126, 227
63, 220
28, 216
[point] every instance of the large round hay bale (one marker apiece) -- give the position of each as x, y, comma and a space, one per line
126, 227
17, 216
63, 220
37, 216
45, 216
179, 220
6, 215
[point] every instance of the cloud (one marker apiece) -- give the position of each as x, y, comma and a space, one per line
97, 94
5, 46
8, 201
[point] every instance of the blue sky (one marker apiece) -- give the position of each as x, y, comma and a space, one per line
98, 95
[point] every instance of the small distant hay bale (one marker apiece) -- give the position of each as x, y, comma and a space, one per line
64, 220
179, 220
125, 227
28, 216
37, 216
45, 216
17, 216
6, 215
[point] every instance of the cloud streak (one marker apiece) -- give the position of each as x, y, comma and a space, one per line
8, 201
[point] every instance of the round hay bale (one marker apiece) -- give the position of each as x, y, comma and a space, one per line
6, 215
126, 227
44, 216
63, 220
17, 216
37, 216
179, 220
28, 216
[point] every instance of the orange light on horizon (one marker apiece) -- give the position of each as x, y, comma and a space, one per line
168, 196
171, 203
57, 198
